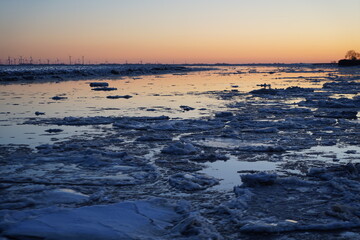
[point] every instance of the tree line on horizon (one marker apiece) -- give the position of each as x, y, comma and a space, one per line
352, 58
352, 55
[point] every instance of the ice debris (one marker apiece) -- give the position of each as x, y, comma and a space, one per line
58, 98
211, 157
179, 148
142, 219
288, 226
192, 181
155, 137
39, 113
104, 89
261, 178
186, 108
54, 130
262, 148
119, 96
99, 84
223, 114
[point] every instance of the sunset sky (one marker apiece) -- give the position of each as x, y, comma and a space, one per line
192, 31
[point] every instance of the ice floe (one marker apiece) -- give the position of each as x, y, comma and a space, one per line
147, 219
192, 182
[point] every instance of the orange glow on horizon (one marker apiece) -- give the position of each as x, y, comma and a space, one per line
180, 31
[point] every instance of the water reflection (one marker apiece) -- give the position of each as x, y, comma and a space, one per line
151, 96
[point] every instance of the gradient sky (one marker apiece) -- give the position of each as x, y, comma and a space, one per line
210, 31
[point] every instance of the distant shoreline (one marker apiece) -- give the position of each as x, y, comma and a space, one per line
34, 73
349, 62
54, 73
172, 64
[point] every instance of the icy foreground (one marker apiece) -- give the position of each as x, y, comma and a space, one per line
152, 219
326, 201
162, 177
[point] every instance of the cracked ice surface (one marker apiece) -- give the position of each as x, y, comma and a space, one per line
282, 164
151, 219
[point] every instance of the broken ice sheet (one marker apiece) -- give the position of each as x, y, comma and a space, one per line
150, 219
114, 158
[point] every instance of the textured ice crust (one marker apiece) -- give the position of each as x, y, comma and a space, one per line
99, 186
275, 204
148, 219
192, 182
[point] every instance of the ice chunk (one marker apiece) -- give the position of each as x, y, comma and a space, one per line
186, 108
99, 84
265, 91
119, 96
180, 148
84, 120
243, 196
284, 110
337, 114
209, 157
149, 219
262, 130
288, 226
44, 146
104, 89
54, 130
152, 138
58, 98
223, 114
256, 179
39, 113
192, 182
270, 149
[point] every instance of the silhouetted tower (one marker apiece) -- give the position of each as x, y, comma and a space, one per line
31, 60
48, 61
9, 60
70, 60
82, 58
20, 60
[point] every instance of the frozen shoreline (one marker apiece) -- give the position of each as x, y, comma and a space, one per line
310, 191
46, 73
